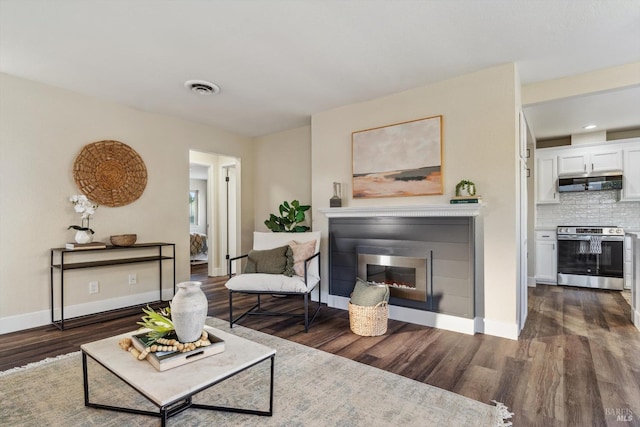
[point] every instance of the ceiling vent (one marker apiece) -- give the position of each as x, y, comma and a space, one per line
202, 87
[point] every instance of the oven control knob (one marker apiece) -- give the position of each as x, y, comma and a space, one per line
619, 231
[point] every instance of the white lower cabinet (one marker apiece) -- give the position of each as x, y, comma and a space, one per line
628, 261
546, 257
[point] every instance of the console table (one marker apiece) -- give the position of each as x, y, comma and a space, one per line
58, 263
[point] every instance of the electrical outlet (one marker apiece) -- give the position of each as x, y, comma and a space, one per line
94, 287
133, 279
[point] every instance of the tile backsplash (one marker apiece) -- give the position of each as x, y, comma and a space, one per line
590, 208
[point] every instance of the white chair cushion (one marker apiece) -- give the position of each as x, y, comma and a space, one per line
270, 283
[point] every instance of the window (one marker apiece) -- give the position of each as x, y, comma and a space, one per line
193, 207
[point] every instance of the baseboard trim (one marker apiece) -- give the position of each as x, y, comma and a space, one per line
43, 317
636, 318
418, 317
25, 321
500, 329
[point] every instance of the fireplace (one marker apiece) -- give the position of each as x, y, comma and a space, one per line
406, 276
432, 256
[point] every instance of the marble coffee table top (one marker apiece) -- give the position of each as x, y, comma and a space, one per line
174, 384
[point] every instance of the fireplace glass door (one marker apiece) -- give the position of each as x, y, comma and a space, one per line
405, 276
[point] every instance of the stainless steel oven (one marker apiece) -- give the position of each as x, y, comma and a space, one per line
591, 257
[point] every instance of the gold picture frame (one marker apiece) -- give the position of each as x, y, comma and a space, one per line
399, 160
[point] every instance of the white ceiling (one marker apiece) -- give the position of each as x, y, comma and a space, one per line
280, 61
617, 109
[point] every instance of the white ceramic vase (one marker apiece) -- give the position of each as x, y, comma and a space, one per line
189, 311
471, 190
83, 236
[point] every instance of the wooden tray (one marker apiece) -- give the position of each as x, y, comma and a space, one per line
163, 360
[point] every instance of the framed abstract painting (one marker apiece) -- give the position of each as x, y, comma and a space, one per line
399, 160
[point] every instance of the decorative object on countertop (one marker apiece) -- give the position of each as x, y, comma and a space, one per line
291, 215
110, 172
336, 200
189, 311
85, 207
123, 239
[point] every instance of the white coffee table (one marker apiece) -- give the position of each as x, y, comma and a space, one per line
172, 390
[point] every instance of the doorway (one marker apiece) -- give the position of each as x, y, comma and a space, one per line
214, 193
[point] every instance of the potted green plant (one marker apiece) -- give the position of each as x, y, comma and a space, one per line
291, 215
465, 186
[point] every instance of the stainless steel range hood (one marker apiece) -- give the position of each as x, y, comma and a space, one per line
590, 183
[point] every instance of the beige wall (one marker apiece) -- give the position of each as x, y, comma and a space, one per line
282, 172
479, 141
42, 129
596, 81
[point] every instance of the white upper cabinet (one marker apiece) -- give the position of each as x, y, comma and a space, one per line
584, 162
616, 157
546, 179
606, 161
572, 163
631, 175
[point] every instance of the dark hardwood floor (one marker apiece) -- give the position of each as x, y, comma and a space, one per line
577, 362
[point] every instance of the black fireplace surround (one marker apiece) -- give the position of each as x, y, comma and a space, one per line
446, 244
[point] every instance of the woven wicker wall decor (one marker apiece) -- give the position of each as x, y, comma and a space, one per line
110, 173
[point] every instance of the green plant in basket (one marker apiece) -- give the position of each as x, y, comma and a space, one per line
158, 321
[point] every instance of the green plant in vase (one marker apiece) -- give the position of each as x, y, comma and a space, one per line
467, 186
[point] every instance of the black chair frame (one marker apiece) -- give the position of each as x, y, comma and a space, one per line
258, 310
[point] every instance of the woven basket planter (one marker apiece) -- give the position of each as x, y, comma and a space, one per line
369, 321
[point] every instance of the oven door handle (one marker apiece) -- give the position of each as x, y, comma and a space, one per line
574, 237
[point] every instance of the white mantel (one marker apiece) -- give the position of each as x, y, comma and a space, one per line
466, 209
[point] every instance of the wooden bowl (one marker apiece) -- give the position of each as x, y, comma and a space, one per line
123, 239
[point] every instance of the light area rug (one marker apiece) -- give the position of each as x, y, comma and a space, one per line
312, 388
